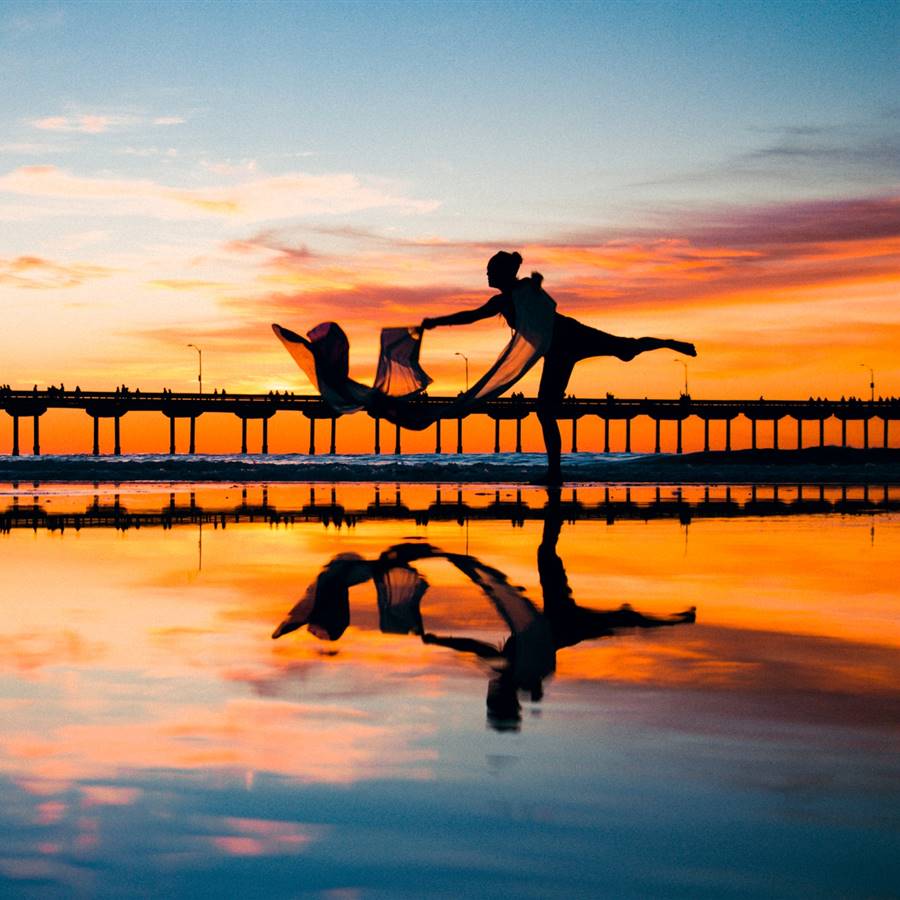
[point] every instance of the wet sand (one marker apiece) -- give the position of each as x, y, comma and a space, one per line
814, 465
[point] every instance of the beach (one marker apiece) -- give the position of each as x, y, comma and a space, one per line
814, 465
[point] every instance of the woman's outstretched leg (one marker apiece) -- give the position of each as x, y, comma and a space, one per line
643, 344
583, 342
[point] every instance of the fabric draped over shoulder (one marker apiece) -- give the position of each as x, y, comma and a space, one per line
324, 355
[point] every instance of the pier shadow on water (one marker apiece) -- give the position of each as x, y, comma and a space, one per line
522, 661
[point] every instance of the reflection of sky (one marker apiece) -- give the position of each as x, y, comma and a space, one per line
150, 723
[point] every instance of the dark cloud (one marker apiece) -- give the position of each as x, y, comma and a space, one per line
808, 153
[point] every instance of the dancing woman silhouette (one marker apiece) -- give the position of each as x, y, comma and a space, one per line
570, 342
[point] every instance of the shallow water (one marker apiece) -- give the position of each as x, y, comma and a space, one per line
490, 722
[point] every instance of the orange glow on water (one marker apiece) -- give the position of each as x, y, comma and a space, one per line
141, 602
146, 654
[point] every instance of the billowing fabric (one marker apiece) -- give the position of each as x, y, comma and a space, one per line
324, 356
400, 590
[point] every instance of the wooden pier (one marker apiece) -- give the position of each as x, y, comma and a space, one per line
875, 416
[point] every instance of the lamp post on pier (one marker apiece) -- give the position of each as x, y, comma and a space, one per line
199, 367
871, 379
466, 359
681, 362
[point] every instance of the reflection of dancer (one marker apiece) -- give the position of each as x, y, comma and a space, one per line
570, 342
563, 622
527, 656
325, 607
570, 623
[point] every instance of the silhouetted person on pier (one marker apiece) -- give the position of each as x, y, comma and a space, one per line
570, 342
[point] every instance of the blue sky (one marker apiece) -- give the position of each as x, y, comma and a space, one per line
588, 111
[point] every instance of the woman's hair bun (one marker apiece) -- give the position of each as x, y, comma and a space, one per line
505, 261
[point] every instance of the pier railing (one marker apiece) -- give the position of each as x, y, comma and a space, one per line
31, 405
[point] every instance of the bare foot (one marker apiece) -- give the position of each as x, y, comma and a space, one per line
684, 347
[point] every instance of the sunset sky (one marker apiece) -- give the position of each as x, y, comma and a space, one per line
176, 173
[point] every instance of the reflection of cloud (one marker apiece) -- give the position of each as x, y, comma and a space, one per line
28, 651
274, 197
263, 837
109, 795
242, 735
768, 675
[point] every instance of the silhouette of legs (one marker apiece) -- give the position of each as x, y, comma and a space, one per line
572, 342
554, 379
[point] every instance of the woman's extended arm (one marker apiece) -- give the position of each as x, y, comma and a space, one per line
493, 307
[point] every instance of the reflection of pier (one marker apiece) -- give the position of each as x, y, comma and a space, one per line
449, 506
116, 404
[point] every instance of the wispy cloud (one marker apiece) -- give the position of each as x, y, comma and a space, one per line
868, 152
34, 272
32, 148
84, 124
275, 197
776, 256
186, 284
149, 152
99, 123
39, 19
242, 167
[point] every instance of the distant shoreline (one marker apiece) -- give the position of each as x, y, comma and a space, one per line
818, 465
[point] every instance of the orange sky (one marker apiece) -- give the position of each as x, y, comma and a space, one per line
784, 301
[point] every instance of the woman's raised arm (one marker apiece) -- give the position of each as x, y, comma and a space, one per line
493, 307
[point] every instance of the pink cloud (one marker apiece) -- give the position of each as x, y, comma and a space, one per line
34, 272
84, 124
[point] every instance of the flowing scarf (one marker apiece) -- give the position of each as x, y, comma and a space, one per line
324, 355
